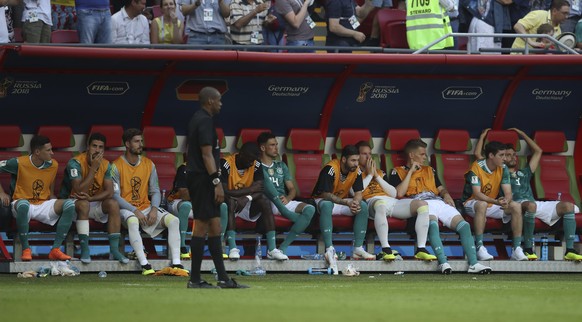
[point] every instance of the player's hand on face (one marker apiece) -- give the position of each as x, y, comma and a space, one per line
218, 194
415, 166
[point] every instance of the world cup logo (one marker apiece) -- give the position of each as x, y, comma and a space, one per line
486, 189
364, 89
4, 84
37, 188
135, 185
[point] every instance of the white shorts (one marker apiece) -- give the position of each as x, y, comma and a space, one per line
397, 208
44, 212
291, 205
494, 211
173, 208
96, 212
444, 212
338, 210
152, 230
546, 211
245, 213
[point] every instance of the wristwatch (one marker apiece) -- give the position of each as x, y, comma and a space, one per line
216, 181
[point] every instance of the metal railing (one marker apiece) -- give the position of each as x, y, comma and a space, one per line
525, 50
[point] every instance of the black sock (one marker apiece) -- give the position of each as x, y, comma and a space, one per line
387, 250
422, 249
528, 250
197, 249
215, 248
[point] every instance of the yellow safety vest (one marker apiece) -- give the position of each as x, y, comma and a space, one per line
426, 22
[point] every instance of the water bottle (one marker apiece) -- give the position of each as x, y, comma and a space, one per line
259, 270
74, 268
319, 271
214, 272
559, 196
312, 256
164, 201
544, 248
102, 274
43, 271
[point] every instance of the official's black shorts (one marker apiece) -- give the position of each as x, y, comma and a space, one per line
201, 192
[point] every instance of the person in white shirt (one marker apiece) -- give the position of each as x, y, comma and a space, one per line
37, 21
129, 26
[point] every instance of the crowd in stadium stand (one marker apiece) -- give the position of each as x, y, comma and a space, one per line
292, 23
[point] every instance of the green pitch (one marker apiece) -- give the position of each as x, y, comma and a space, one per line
294, 297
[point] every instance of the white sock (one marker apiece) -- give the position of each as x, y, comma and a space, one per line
135, 240
82, 227
381, 223
173, 225
421, 226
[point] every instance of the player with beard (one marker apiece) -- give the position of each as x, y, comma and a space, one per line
32, 186
549, 212
331, 196
134, 180
242, 177
281, 190
88, 180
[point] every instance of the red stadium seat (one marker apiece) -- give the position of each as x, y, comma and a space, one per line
386, 17
305, 158
396, 34
395, 141
113, 135
156, 140
450, 160
504, 136
10, 138
156, 11
249, 135
351, 137
65, 37
555, 174
62, 138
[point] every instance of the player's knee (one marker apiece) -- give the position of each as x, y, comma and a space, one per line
68, 204
565, 207
432, 218
480, 207
418, 204
81, 207
363, 208
171, 220
110, 204
325, 207
308, 211
132, 222
186, 206
515, 207
529, 206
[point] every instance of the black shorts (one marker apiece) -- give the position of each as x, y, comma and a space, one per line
201, 192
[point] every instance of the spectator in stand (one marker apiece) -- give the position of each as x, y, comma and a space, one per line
93, 21
531, 22
274, 31
246, 21
578, 32
129, 26
205, 24
548, 30
37, 21
342, 24
167, 29
63, 14
489, 17
569, 25
299, 25
6, 28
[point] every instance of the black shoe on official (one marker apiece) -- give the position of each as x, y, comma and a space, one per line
231, 283
201, 284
